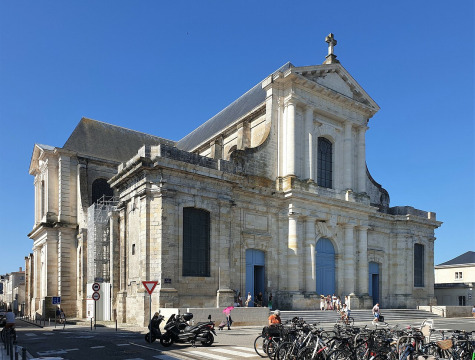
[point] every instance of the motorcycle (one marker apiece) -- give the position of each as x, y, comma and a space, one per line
154, 328
177, 330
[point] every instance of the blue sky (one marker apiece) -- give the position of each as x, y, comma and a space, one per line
166, 67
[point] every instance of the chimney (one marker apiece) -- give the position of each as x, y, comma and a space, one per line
20, 268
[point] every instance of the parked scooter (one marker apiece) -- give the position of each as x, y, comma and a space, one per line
178, 330
154, 328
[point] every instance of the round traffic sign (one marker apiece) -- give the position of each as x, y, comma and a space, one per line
96, 296
96, 287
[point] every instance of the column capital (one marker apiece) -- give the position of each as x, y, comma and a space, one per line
363, 227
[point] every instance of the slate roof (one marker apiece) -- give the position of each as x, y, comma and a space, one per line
105, 141
467, 258
45, 147
240, 107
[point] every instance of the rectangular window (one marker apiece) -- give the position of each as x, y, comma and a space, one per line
458, 275
462, 301
196, 242
418, 265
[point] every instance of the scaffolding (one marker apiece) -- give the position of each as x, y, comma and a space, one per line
98, 239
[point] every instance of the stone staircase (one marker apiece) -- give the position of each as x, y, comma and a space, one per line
330, 316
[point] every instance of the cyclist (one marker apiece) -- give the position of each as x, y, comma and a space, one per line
274, 319
10, 317
345, 313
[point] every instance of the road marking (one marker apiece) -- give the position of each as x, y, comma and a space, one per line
30, 334
166, 357
97, 347
242, 348
232, 352
207, 356
123, 344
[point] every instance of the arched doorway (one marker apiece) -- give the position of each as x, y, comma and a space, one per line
373, 269
255, 267
325, 269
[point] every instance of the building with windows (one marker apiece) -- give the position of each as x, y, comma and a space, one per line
270, 195
455, 279
12, 294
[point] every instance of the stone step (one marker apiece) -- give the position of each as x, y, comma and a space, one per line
312, 316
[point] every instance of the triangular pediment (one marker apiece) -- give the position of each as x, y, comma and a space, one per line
38, 150
335, 78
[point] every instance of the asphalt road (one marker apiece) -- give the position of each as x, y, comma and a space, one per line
104, 343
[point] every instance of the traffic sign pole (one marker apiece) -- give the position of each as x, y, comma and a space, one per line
150, 286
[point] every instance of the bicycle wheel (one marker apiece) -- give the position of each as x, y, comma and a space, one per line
285, 351
260, 344
309, 353
271, 348
339, 355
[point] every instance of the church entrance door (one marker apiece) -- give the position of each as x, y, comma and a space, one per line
373, 269
325, 269
255, 273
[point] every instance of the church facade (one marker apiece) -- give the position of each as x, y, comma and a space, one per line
271, 195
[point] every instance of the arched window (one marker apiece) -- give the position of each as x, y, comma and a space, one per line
196, 242
325, 164
418, 265
101, 188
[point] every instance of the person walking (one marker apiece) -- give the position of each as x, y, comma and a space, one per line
269, 303
376, 313
249, 298
259, 299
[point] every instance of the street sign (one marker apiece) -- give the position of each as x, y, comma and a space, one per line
56, 300
96, 296
96, 287
150, 286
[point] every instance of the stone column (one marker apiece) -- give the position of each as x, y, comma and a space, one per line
363, 276
308, 158
310, 280
401, 279
290, 137
348, 157
362, 160
349, 260
293, 255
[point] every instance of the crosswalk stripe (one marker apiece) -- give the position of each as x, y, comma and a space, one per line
242, 348
97, 347
165, 357
232, 352
208, 356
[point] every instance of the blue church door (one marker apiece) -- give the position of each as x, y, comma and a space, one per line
373, 269
255, 274
325, 261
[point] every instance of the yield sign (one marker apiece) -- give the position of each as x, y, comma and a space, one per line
150, 286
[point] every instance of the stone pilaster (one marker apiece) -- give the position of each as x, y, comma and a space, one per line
308, 158
361, 160
289, 138
310, 271
363, 276
348, 157
293, 255
243, 135
349, 260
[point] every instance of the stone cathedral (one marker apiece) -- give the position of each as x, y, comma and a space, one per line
270, 195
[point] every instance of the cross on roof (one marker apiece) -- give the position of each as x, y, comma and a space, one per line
331, 43
331, 57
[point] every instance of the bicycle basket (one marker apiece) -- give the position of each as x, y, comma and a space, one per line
445, 344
